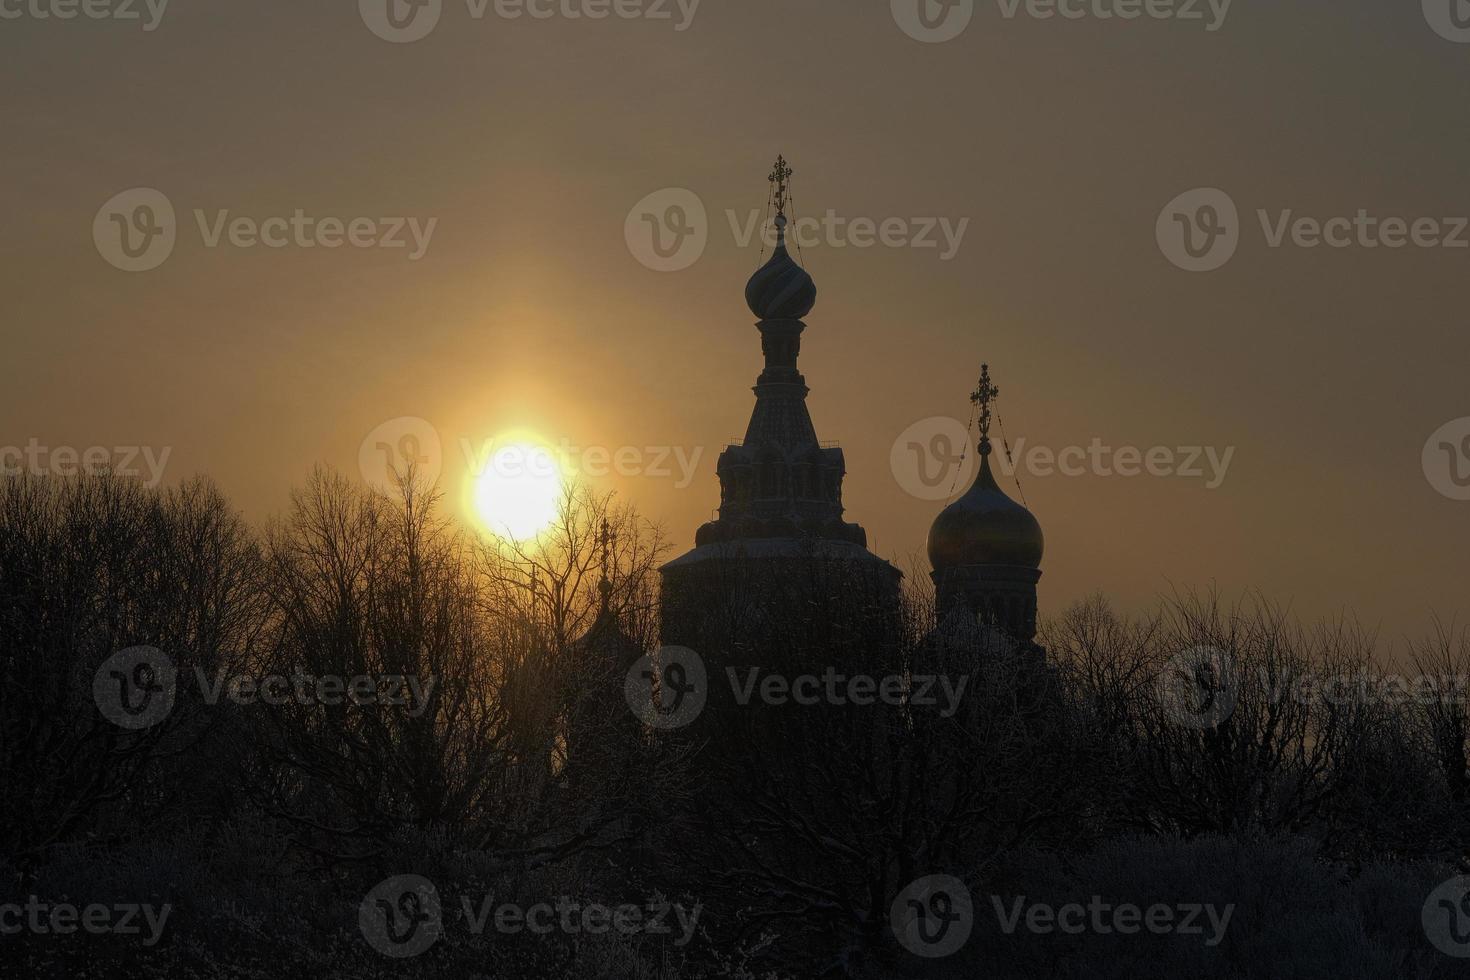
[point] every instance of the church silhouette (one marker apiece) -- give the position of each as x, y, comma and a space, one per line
781, 512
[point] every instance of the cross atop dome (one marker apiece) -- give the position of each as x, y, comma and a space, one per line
780, 176
605, 540
984, 396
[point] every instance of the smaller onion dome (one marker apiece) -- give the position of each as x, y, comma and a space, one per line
985, 527
781, 289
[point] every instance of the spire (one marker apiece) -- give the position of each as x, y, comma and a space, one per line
780, 486
604, 587
606, 634
780, 481
984, 396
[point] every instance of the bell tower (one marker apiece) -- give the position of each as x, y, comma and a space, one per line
780, 487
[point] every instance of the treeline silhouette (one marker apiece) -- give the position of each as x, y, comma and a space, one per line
522, 773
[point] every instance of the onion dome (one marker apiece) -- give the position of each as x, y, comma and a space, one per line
781, 289
985, 527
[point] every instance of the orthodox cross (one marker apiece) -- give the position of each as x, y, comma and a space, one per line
605, 539
780, 177
985, 396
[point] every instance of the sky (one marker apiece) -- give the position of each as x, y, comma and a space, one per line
1066, 157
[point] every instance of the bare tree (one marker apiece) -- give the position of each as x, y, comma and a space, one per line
366, 587
1216, 717
90, 567
554, 579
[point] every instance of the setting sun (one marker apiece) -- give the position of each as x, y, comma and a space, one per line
517, 490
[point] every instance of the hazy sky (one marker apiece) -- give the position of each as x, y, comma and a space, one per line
530, 141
